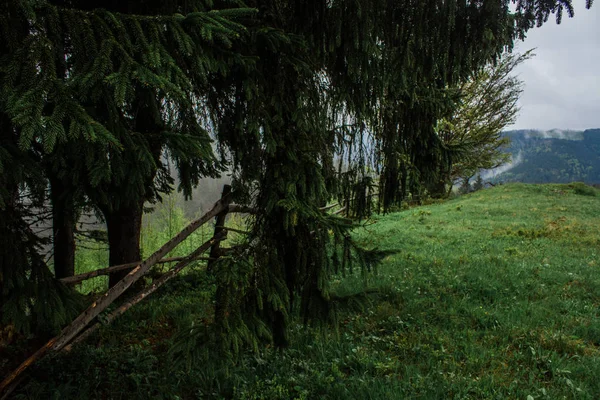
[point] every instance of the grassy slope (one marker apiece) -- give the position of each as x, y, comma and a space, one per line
492, 295
500, 290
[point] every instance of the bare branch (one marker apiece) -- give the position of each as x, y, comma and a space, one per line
71, 280
149, 290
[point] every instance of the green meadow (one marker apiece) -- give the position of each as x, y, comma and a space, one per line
492, 295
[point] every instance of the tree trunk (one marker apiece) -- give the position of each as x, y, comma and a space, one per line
63, 228
280, 338
72, 280
13, 247
219, 224
124, 227
437, 189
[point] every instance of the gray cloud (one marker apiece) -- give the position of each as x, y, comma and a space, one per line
562, 82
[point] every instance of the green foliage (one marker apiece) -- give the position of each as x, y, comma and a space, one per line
24, 277
478, 184
357, 194
289, 117
465, 187
488, 103
97, 99
21, 307
583, 189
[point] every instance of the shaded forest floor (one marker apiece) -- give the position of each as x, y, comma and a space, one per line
492, 295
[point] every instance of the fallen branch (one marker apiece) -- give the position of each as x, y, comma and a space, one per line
147, 291
341, 210
6, 383
79, 323
71, 280
234, 230
237, 208
12, 387
328, 207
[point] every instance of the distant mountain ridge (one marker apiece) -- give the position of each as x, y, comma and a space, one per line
555, 156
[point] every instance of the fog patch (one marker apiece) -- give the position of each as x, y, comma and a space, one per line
493, 173
563, 134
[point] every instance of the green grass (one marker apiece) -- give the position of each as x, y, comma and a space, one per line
493, 295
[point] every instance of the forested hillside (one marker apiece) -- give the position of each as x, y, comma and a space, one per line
553, 156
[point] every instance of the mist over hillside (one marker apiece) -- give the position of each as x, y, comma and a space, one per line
555, 156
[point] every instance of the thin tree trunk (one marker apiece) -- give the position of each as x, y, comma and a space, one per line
63, 228
219, 226
403, 182
124, 228
64, 215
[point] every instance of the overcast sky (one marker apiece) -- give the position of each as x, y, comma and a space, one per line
562, 82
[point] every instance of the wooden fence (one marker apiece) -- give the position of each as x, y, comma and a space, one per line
80, 328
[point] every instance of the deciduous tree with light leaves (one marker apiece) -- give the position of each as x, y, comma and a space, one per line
488, 104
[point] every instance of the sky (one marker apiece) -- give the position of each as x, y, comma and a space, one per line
562, 82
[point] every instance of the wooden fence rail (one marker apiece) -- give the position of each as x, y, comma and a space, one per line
145, 292
78, 324
72, 280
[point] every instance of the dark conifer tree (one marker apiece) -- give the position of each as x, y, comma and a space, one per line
385, 67
95, 99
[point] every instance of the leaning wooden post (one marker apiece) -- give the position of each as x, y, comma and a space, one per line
215, 250
149, 290
79, 323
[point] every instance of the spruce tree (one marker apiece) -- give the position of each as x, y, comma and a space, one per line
367, 80
146, 100
29, 299
385, 67
92, 100
478, 184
